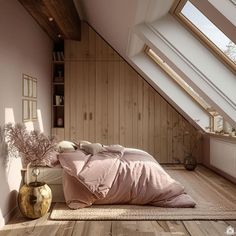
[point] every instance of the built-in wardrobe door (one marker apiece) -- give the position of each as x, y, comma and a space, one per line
101, 102
80, 96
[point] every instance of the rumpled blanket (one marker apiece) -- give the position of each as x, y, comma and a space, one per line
119, 175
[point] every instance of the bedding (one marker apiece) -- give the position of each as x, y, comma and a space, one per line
119, 175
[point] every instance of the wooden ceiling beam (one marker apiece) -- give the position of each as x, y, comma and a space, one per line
56, 17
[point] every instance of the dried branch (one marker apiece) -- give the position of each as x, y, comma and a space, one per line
34, 146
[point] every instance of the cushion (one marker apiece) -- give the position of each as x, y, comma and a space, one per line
83, 142
53, 159
66, 146
93, 148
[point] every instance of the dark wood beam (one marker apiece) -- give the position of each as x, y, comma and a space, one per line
56, 17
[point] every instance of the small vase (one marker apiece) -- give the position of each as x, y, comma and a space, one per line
190, 162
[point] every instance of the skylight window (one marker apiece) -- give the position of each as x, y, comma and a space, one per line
208, 32
234, 2
217, 122
177, 78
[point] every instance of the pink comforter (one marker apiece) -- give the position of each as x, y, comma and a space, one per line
119, 176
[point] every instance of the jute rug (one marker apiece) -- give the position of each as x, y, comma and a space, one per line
216, 200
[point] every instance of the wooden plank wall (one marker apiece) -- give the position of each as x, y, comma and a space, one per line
107, 101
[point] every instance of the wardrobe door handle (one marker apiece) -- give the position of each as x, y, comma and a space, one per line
139, 116
90, 116
85, 116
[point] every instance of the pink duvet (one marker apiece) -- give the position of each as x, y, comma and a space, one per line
119, 176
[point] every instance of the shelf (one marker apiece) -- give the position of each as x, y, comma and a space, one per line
58, 83
223, 136
58, 62
58, 86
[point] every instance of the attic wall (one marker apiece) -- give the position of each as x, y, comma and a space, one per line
24, 48
107, 101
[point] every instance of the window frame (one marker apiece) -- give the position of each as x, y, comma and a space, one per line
166, 68
177, 78
202, 6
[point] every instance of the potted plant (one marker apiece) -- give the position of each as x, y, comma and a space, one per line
36, 149
190, 161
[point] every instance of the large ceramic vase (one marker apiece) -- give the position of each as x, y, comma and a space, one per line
34, 199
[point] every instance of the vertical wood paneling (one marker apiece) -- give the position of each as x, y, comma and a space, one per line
135, 109
157, 127
151, 121
116, 84
101, 101
180, 137
120, 106
111, 90
67, 99
169, 133
77, 98
145, 116
140, 112
92, 97
128, 106
85, 73
164, 144
74, 123
122, 103
175, 138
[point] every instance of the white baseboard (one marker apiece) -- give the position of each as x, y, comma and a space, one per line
8, 216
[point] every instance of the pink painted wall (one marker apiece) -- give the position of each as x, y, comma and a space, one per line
24, 48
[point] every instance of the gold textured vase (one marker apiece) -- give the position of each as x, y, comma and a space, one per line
34, 199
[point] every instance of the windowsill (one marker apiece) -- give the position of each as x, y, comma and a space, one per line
222, 136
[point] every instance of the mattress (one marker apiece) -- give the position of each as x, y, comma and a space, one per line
52, 177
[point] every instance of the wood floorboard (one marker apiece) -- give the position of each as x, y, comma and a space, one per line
45, 227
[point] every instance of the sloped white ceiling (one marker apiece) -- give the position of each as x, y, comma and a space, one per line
113, 19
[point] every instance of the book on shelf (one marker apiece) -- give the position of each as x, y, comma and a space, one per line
62, 56
54, 56
58, 56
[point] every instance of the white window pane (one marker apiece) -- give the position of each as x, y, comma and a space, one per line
215, 35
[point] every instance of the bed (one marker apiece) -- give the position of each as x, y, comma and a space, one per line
118, 175
96, 174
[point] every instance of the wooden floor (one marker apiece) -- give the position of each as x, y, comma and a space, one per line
45, 227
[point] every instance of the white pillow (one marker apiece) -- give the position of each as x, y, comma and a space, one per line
92, 148
83, 142
66, 146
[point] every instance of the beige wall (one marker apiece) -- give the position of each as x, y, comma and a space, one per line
24, 48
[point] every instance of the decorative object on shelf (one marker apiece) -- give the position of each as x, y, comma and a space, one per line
34, 199
190, 162
59, 122
32, 146
58, 100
